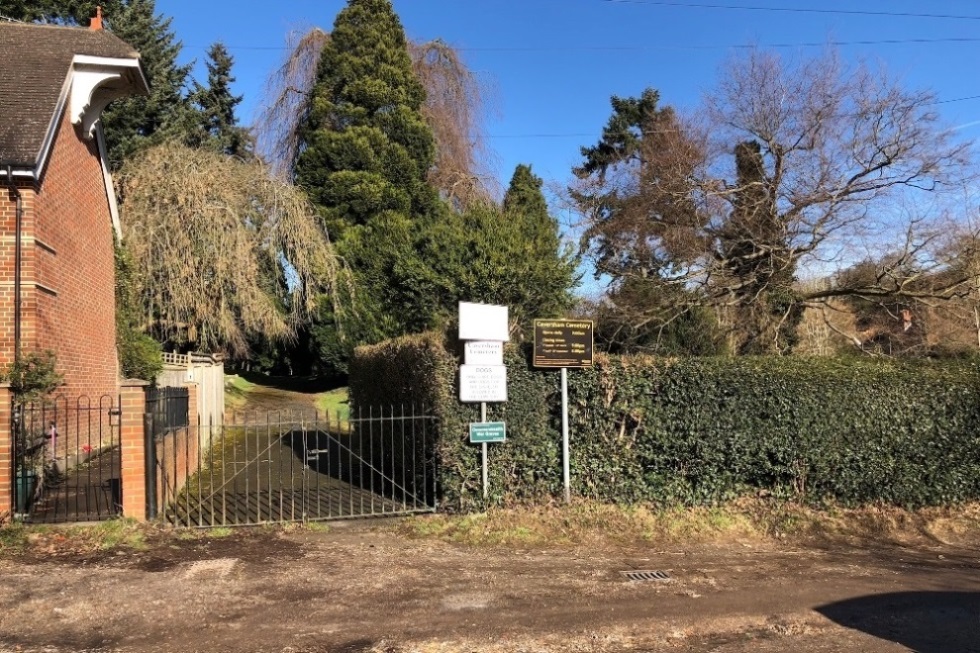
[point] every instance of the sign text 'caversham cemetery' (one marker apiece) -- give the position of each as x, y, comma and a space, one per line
563, 343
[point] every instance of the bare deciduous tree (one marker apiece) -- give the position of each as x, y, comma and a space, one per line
786, 166
223, 252
455, 109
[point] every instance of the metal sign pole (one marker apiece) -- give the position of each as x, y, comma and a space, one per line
564, 435
483, 419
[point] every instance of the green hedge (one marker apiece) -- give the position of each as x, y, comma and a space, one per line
700, 430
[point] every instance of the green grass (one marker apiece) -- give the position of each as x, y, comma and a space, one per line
109, 535
236, 391
334, 405
14, 538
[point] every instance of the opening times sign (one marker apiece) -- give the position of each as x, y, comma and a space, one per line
563, 343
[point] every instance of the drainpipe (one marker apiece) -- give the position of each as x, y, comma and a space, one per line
18, 219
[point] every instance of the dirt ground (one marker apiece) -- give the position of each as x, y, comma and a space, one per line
363, 587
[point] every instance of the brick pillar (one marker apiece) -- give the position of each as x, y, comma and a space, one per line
133, 442
195, 433
6, 455
193, 390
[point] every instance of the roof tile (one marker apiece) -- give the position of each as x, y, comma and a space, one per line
34, 64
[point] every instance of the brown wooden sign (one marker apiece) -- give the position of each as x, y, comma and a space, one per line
563, 343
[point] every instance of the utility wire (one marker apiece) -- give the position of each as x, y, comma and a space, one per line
641, 48
798, 10
582, 135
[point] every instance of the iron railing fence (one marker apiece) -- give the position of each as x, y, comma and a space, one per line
289, 466
168, 407
67, 460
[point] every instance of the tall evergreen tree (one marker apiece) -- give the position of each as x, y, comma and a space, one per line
136, 122
549, 273
367, 147
217, 127
366, 151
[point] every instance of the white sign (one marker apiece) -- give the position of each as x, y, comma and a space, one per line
483, 322
484, 352
482, 383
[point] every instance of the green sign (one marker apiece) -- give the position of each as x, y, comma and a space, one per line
488, 432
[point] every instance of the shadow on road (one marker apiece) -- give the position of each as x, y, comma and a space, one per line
927, 622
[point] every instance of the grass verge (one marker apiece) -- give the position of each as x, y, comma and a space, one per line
236, 391
749, 520
334, 404
109, 535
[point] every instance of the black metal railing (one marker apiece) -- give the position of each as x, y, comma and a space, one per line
294, 466
67, 460
167, 408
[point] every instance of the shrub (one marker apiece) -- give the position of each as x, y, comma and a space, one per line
33, 377
697, 431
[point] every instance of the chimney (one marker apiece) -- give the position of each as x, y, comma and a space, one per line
96, 23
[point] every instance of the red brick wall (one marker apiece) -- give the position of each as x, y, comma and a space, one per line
68, 300
179, 454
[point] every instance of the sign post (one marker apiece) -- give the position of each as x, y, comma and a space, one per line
564, 344
483, 446
483, 376
565, 462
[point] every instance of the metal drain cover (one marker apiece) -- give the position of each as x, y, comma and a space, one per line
638, 575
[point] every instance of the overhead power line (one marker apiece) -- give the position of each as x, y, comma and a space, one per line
959, 99
642, 48
589, 135
797, 10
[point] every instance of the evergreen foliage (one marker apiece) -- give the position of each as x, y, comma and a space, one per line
639, 240
33, 377
523, 252
217, 127
139, 354
367, 146
698, 431
753, 246
366, 153
65, 12
134, 123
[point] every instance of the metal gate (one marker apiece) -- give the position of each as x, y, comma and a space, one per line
67, 460
293, 466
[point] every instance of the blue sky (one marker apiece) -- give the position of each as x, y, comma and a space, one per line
554, 63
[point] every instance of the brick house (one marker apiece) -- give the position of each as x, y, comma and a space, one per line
57, 203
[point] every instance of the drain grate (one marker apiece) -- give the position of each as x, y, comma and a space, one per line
657, 576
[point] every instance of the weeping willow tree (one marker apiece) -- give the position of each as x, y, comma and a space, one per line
223, 253
455, 110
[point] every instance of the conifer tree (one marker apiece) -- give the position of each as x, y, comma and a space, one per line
367, 145
217, 127
136, 122
366, 151
549, 273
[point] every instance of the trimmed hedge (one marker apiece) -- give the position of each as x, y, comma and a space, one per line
700, 430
